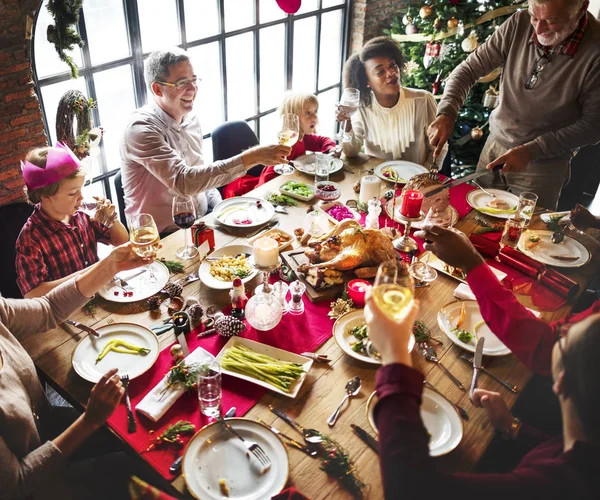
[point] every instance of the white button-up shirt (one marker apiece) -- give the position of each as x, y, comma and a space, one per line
162, 158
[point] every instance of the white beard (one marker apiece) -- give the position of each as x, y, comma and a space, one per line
553, 39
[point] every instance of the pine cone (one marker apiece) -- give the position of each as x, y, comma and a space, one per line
174, 290
154, 303
195, 312
227, 326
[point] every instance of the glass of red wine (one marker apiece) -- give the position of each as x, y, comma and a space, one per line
184, 215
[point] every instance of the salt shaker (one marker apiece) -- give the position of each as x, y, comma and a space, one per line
296, 305
372, 220
280, 290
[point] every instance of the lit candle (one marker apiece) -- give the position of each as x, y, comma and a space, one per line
370, 185
266, 252
411, 204
357, 290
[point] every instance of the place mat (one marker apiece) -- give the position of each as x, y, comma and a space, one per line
297, 334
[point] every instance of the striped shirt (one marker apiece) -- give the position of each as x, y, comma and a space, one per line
48, 249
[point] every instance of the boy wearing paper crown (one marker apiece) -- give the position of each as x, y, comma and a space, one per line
58, 240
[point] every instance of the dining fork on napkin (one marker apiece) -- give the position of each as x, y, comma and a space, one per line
158, 401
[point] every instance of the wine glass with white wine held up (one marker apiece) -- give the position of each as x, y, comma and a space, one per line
393, 289
145, 239
288, 136
348, 105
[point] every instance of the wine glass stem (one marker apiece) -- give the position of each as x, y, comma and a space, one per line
187, 240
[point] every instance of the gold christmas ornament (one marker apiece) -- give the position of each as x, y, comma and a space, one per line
406, 20
438, 24
425, 11
452, 22
470, 43
476, 133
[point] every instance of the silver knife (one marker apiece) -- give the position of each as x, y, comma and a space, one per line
462, 180
508, 385
476, 365
176, 465
261, 230
366, 438
83, 327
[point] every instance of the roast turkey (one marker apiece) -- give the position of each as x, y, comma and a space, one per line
349, 246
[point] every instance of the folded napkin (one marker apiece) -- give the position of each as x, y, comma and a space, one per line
521, 262
156, 403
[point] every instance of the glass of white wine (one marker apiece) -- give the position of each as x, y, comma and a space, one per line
145, 239
349, 105
288, 136
393, 289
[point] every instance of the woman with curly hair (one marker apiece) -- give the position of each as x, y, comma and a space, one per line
392, 120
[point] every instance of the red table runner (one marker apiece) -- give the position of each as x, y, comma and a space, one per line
297, 334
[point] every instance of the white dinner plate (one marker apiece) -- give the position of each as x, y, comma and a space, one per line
243, 211
274, 352
404, 170
341, 333
439, 418
479, 201
142, 288
88, 349
306, 164
448, 316
389, 207
231, 250
215, 454
543, 252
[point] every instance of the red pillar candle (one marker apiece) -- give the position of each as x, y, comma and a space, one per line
411, 204
357, 290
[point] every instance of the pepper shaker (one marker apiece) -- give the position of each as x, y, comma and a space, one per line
296, 305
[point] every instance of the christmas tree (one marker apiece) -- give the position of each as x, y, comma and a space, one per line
435, 38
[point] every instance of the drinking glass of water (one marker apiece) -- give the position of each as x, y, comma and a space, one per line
322, 168
209, 389
526, 206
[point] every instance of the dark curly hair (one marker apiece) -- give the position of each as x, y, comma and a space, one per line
355, 75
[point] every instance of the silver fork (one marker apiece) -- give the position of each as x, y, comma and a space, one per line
252, 447
429, 354
434, 170
131, 425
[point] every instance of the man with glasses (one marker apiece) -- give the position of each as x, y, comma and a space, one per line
549, 101
161, 150
560, 467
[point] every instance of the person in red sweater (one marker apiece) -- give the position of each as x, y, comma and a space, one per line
306, 106
566, 466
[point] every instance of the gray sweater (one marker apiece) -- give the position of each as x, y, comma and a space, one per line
29, 467
560, 114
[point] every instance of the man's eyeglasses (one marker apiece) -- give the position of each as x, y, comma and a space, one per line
182, 84
538, 68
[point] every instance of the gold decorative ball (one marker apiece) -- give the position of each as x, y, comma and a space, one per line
476, 133
452, 22
425, 11
406, 20
438, 24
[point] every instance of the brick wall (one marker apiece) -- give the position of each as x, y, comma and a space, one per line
21, 123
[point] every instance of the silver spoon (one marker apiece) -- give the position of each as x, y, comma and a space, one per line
311, 436
352, 389
494, 197
559, 236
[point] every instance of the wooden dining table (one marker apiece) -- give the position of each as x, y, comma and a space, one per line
324, 388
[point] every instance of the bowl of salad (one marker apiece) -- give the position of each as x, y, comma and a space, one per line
299, 190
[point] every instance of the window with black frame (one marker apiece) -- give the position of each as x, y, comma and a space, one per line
247, 53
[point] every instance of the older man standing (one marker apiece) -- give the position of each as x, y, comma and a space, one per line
549, 101
161, 150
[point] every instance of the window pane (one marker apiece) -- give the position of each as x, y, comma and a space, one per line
327, 101
238, 14
201, 19
241, 81
272, 66
158, 24
51, 95
308, 6
209, 100
270, 11
330, 49
47, 62
269, 127
305, 35
102, 17
331, 3
114, 89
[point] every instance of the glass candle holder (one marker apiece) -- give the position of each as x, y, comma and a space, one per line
357, 290
513, 228
296, 305
280, 290
263, 311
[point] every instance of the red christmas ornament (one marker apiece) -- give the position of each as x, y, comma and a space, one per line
454, 2
289, 6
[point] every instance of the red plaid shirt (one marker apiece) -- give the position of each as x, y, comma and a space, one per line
48, 250
570, 45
